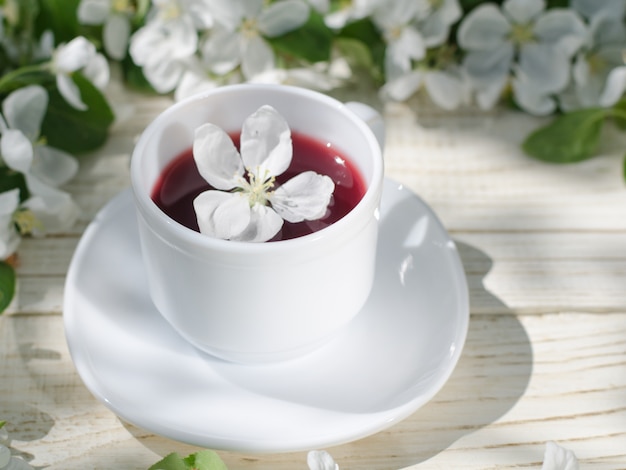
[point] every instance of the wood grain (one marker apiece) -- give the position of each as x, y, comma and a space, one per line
544, 251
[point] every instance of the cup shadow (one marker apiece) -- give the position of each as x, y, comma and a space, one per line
489, 379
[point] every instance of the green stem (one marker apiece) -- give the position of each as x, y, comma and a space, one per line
15, 74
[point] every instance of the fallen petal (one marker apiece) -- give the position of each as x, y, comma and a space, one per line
558, 458
320, 460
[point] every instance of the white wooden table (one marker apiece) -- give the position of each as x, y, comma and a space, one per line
544, 251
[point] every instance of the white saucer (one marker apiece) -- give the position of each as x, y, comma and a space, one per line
393, 358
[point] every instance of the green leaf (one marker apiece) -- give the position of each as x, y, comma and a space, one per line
568, 138
7, 285
2, 423
366, 32
618, 113
311, 42
202, 460
60, 17
11, 179
205, 460
172, 461
76, 131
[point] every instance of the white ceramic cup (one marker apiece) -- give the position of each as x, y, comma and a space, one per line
259, 302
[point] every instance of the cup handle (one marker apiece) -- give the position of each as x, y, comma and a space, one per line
371, 117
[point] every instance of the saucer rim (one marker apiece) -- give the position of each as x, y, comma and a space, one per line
378, 421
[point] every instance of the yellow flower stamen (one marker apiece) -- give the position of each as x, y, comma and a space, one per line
522, 34
123, 6
170, 12
26, 222
249, 28
257, 189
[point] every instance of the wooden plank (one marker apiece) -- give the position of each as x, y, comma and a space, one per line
520, 382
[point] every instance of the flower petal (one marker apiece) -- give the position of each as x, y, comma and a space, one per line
74, 55
54, 208
266, 147
192, 82
488, 66
17, 150
614, 88
221, 52
532, 100
589, 8
70, 92
281, 17
523, 11
563, 28
97, 71
264, 224
115, 35
409, 46
445, 89
484, 28
53, 166
402, 87
304, 197
93, 12
164, 75
9, 200
222, 215
256, 57
25, 108
436, 29
320, 460
545, 66
216, 157
558, 458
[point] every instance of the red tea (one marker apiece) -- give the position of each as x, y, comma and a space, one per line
180, 183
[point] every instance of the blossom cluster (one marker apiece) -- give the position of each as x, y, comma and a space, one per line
551, 58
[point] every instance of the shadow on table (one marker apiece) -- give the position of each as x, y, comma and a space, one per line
490, 377
25, 421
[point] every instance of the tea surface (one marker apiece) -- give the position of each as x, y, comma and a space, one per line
180, 183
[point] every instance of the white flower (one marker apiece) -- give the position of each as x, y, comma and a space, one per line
238, 38
166, 44
245, 204
445, 82
44, 168
543, 43
320, 460
599, 73
558, 458
405, 44
115, 16
78, 54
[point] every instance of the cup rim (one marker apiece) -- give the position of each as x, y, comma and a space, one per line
347, 224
